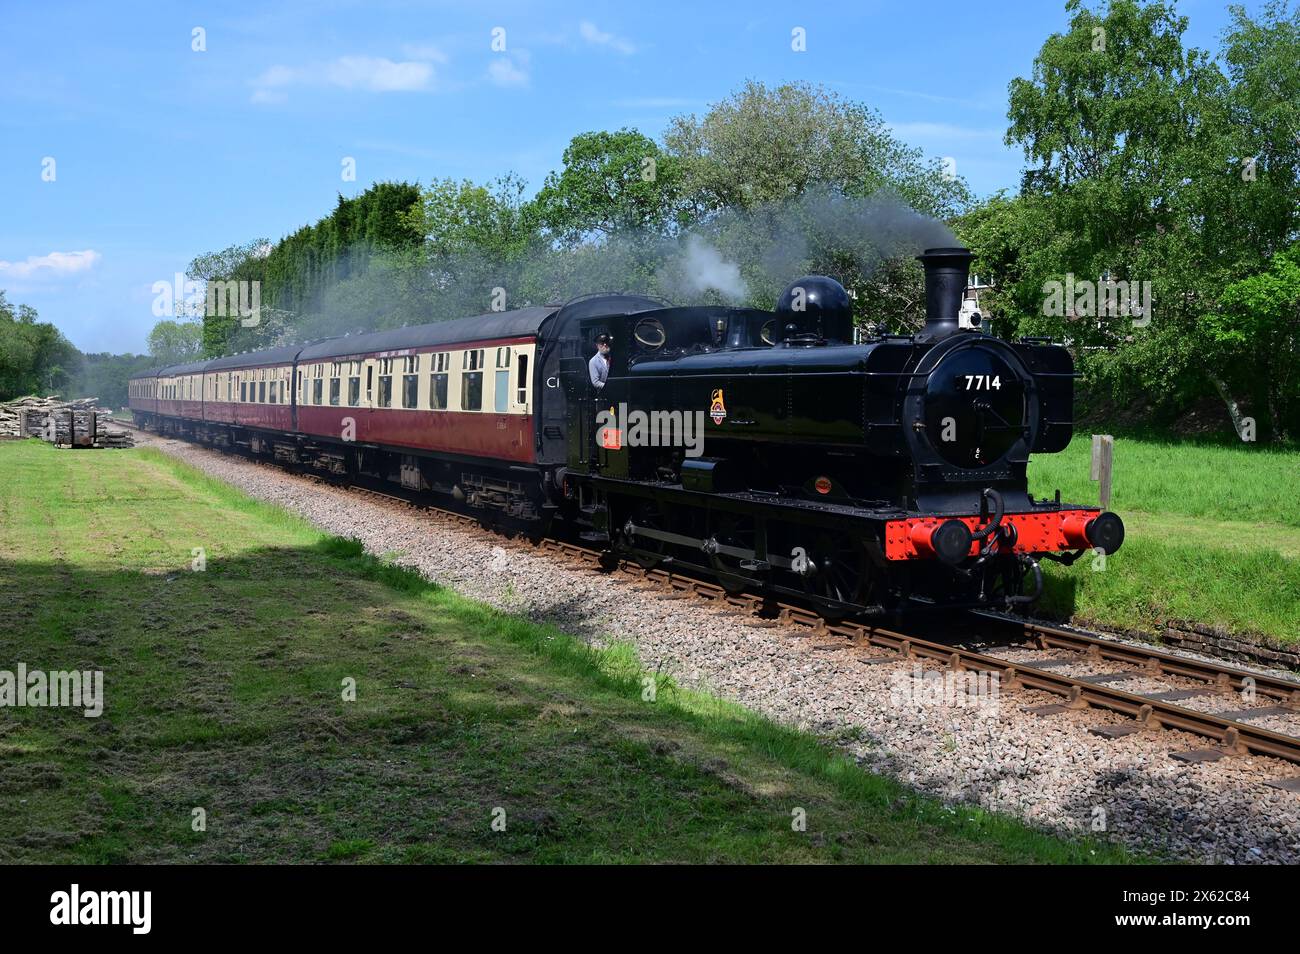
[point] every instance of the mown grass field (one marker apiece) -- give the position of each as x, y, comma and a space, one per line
224, 692
1213, 536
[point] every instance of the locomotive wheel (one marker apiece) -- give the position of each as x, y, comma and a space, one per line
734, 531
646, 552
842, 575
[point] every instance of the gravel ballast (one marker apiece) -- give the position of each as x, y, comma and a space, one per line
1049, 771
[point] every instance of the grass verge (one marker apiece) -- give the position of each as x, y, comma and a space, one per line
1213, 536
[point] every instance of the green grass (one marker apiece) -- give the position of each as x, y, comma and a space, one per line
1243, 483
1213, 536
224, 692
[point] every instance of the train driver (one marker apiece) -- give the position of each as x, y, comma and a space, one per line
598, 367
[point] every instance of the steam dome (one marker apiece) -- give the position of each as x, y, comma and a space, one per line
816, 306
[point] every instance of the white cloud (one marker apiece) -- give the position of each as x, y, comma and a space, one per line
54, 264
508, 70
369, 73
596, 37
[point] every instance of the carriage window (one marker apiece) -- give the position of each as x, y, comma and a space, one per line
335, 384
354, 391
438, 390
501, 392
317, 390
284, 398
471, 391
411, 380
273, 390
650, 333
261, 392
243, 391
522, 397
385, 382
503, 357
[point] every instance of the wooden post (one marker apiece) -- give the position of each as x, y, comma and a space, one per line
1103, 459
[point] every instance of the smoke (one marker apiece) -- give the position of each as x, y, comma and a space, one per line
731, 257
700, 268
827, 232
749, 256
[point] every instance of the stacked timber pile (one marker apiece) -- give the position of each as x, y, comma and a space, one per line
66, 423
111, 433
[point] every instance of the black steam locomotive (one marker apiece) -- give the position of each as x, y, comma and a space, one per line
764, 448
868, 476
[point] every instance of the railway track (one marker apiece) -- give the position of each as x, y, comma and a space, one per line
1182, 681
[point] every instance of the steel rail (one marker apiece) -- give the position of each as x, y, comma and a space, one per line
1049, 636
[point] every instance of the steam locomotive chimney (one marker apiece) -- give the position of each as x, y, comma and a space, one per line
946, 273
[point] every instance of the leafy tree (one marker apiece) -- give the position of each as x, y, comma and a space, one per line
611, 183
105, 376
1262, 123
300, 275
769, 144
1147, 163
1258, 323
477, 239
176, 342
35, 358
229, 261
794, 178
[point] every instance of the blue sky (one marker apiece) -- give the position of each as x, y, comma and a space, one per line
162, 152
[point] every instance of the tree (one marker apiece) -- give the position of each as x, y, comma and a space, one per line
769, 144
794, 178
611, 183
35, 358
477, 239
105, 376
300, 276
176, 342
1146, 163
1258, 325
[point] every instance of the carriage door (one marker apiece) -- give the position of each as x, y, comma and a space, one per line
508, 428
